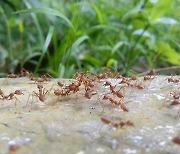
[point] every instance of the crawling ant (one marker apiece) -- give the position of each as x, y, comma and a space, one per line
176, 95
73, 87
12, 76
176, 140
13, 147
116, 103
88, 94
139, 87
126, 81
100, 76
40, 79
36, 79
172, 80
42, 93
11, 95
152, 72
61, 92
175, 102
18, 92
60, 84
146, 78
116, 125
107, 83
23, 73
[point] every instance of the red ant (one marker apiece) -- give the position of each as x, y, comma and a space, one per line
22, 74
100, 76
61, 92
176, 95
36, 79
139, 87
13, 147
12, 76
60, 84
117, 93
39, 80
88, 94
107, 83
116, 103
152, 72
173, 80
175, 102
176, 140
11, 95
73, 87
116, 125
146, 78
42, 93
126, 81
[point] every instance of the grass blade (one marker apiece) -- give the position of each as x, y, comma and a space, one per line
47, 11
46, 44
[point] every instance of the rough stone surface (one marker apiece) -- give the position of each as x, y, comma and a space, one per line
73, 124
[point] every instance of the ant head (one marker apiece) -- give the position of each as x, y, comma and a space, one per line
60, 84
152, 72
18, 92
39, 86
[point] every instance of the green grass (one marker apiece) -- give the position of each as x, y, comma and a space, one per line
63, 37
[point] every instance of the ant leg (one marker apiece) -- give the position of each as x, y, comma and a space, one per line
27, 100
33, 94
15, 103
177, 113
52, 88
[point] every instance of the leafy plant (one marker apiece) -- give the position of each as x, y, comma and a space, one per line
63, 37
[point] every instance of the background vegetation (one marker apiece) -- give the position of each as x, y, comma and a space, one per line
61, 37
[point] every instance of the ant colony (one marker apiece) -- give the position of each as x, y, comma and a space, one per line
114, 97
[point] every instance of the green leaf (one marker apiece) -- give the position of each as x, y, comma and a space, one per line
48, 11
92, 60
160, 8
78, 42
112, 63
167, 53
117, 46
98, 12
45, 47
61, 70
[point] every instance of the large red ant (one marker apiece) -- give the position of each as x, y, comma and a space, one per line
41, 94
116, 103
23, 73
176, 95
11, 95
13, 76
173, 80
61, 92
116, 125
152, 72
176, 140
40, 79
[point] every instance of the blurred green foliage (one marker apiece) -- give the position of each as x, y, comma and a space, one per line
61, 37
